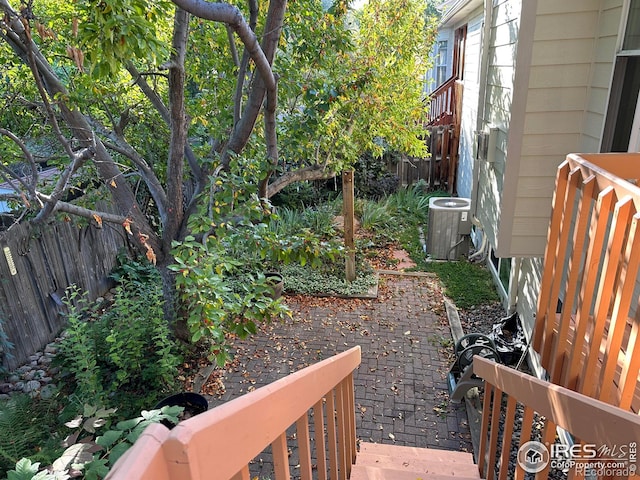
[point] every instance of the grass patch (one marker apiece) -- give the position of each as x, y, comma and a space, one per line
467, 284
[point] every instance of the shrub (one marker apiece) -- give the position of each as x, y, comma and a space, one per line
95, 444
126, 354
329, 279
372, 180
235, 240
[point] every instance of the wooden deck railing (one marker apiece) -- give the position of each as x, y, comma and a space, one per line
445, 102
588, 316
591, 422
317, 402
443, 125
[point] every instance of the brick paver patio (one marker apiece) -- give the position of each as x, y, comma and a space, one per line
400, 388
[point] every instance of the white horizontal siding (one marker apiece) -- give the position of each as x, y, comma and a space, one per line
574, 25
559, 76
468, 126
501, 54
540, 100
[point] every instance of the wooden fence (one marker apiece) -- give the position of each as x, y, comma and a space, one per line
37, 265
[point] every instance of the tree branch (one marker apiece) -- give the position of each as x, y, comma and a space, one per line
15, 32
261, 56
84, 212
308, 173
162, 109
244, 64
31, 187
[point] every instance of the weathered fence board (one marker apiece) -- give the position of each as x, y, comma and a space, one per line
47, 261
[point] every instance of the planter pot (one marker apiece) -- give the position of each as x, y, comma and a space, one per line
275, 280
193, 404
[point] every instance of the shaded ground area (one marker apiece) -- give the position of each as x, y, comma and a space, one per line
401, 393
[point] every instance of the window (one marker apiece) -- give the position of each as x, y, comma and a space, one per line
441, 62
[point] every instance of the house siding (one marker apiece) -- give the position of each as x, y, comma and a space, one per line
549, 104
496, 110
574, 113
471, 93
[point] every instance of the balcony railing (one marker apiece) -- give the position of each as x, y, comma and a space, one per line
588, 317
317, 402
445, 103
443, 125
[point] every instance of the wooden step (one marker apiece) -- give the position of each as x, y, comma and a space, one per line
379, 461
373, 473
417, 464
433, 454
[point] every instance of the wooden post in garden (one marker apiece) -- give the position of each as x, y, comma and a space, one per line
347, 207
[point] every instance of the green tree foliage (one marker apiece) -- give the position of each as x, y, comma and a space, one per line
149, 103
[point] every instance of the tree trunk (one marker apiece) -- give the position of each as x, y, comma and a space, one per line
172, 315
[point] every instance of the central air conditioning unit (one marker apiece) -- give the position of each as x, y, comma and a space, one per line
449, 227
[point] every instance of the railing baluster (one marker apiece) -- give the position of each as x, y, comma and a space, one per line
549, 353
281, 457
597, 238
630, 367
351, 426
341, 413
605, 292
484, 427
573, 277
624, 296
304, 446
546, 316
493, 436
319, 434
548, 437
525, 436
331, 433
506, 438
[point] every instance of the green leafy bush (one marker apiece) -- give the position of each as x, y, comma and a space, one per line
220, 268
376, 216
372, 180
125, 355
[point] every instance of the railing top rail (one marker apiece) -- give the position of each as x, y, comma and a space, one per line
606, 424
445, 86
225, 439
618, 170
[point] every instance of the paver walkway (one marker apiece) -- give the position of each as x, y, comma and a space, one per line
400, 388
